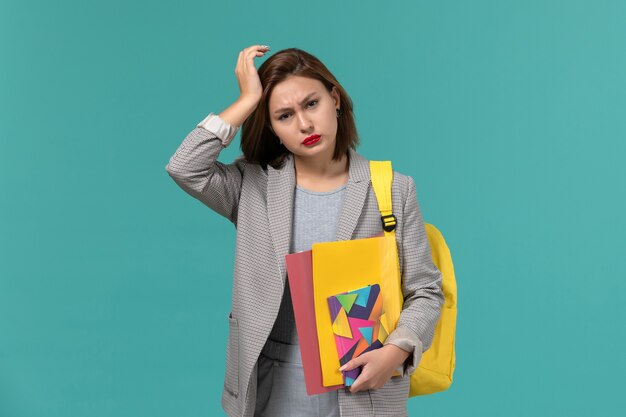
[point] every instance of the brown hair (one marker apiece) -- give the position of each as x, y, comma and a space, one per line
258, 142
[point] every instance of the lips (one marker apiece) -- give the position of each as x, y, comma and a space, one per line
312, 138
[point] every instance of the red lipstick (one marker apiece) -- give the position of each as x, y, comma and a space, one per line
311, 140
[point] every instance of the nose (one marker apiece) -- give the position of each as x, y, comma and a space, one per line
304, 123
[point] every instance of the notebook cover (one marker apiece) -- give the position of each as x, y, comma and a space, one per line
355, 317
343, 265
300, 275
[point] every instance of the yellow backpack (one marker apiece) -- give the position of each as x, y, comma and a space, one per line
434, 372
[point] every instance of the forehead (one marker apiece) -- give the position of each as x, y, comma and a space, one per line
292, 90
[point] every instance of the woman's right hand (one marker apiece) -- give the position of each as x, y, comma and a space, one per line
246, 72
250, 87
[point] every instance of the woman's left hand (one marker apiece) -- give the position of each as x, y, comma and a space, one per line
377, 367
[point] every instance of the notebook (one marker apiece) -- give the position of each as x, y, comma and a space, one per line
356, 323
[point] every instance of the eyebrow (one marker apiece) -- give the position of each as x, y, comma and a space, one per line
301, 103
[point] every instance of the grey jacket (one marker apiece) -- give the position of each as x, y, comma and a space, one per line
259, 203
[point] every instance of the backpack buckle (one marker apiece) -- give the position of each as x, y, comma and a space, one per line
389, 222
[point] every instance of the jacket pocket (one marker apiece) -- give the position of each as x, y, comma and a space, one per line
391, 399
231, 381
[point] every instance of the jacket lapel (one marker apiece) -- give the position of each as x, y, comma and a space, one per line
280, 198
354, 198
281, 185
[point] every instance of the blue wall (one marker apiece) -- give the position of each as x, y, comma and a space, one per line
510, 116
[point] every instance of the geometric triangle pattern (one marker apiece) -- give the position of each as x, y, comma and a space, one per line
346, 301
366, 332
341, 326
363, 295
359, 325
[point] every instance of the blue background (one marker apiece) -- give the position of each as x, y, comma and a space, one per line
510, 116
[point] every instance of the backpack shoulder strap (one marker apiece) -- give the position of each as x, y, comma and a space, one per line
382, 178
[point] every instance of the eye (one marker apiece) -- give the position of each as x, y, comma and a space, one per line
286, 114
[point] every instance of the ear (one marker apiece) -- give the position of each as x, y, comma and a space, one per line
335, 95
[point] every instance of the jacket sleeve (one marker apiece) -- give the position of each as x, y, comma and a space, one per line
195, 168
421, 286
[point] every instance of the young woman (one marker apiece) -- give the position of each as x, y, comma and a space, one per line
300, 181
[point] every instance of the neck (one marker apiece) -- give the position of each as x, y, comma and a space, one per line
322, 168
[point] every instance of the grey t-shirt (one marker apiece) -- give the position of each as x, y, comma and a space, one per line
315, 216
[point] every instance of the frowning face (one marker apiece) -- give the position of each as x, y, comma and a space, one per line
300, 108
